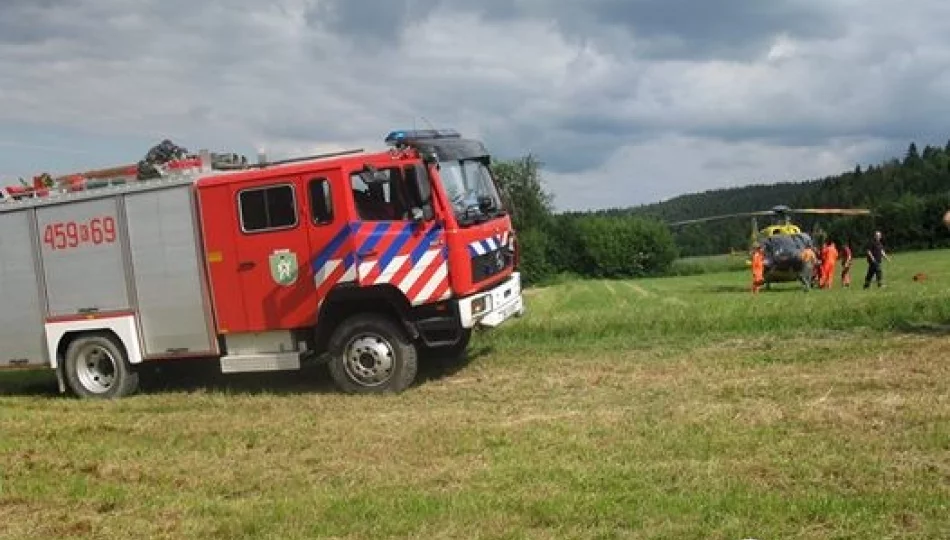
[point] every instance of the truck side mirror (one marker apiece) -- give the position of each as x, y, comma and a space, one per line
418, 180
423, 188
486, 204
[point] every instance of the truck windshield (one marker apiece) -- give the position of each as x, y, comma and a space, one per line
471, 190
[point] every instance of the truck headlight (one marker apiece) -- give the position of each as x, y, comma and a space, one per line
481, 304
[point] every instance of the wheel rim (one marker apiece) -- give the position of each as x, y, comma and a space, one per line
96, 368
369, 360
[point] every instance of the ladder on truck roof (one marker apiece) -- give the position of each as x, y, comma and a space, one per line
188, 165
45, 185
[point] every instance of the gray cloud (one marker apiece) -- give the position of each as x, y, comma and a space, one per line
671, 96
378, 22
715, 28
646, 28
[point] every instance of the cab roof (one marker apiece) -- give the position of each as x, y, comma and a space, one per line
352, 161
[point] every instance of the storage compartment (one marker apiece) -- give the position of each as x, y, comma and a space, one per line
81, 244
21, 311
167, 270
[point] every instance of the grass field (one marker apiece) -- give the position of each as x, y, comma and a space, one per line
667, 408
688, 266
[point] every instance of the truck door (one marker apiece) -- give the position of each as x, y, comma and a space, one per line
329, 232
272, 255
394, 246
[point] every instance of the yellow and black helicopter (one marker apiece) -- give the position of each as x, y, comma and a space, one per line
782, 241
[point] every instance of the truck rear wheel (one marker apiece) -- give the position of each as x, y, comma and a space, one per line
96, 367
369, 354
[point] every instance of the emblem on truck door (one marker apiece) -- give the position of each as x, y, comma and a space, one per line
283, 267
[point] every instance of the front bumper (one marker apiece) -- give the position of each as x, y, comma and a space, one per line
493, 307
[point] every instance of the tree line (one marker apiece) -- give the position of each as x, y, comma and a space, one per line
908, 198
585, 244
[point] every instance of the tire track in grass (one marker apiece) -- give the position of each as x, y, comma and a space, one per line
540, 299
617, 297
637, 289
674, 300
566, 298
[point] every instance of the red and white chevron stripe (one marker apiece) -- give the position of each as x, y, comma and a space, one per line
426, 281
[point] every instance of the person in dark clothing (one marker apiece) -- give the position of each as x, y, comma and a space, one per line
876, 257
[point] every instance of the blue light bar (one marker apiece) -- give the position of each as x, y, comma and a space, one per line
404, 136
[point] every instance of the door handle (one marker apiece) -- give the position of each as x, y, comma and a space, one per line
246, 265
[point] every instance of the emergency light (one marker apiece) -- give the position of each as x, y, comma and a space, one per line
404, 136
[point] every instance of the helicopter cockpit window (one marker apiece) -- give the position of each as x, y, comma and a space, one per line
784, 244
802, 241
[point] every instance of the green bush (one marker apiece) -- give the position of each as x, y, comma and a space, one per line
623, 246
534, 265
565, 247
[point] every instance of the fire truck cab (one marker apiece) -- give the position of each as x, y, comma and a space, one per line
359, 259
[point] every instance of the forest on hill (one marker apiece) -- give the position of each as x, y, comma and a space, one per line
908, 198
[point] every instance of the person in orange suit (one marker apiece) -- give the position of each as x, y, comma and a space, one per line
829, 256
835, 255
847, 259
758, 269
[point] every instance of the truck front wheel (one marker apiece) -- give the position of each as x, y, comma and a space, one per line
369, 354
96, 367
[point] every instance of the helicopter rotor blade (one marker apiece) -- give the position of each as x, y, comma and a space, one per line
831, 211
723, 216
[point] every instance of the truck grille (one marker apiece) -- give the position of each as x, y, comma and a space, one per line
490, 264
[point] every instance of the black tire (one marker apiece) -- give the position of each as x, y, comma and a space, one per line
96, 366
370, 354
452, 353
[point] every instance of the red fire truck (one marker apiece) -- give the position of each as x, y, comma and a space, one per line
359, 259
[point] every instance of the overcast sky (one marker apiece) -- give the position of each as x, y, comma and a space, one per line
624, 101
